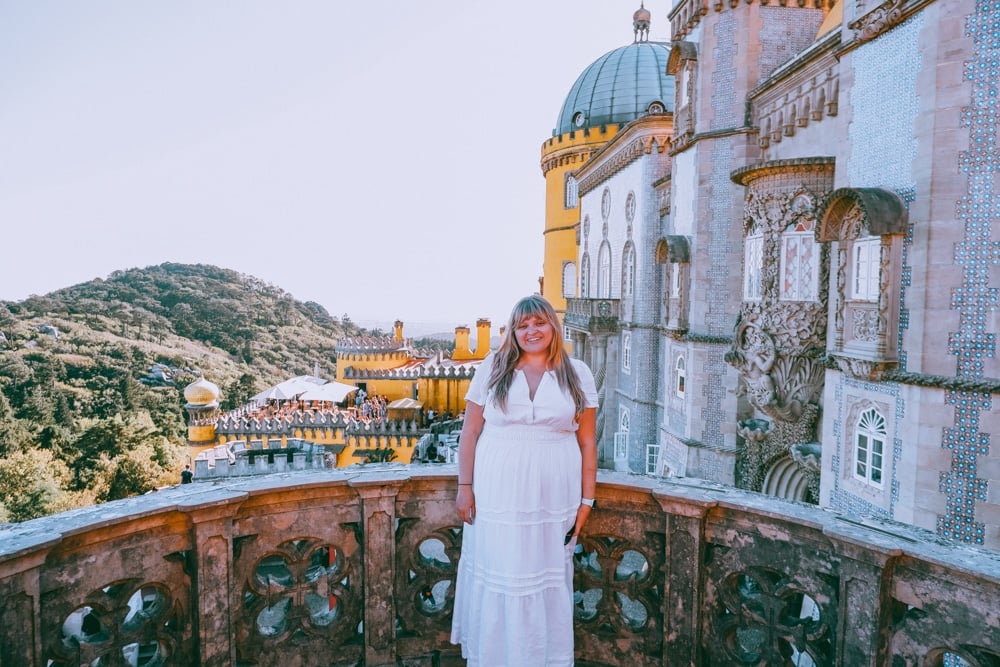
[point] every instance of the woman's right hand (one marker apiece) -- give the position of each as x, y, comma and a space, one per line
465, 504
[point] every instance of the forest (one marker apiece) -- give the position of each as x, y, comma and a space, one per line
92, 376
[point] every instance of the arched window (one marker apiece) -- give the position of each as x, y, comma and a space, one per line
869, 447
604, 272
569, 280
626, 351
799, 262
572, 192
628, 271
680, 373
585, 276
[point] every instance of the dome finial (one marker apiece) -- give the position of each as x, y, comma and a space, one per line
640, 23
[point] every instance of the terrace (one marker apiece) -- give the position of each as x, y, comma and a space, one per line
356, 567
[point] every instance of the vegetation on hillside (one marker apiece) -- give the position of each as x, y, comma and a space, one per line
92, 376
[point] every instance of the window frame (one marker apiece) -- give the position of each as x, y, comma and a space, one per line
753, 267
875, 433
627, 351
680, 376
803, 238
871, 247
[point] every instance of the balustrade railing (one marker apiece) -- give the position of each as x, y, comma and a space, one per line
357, 567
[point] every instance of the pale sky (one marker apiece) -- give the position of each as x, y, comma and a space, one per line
381, 159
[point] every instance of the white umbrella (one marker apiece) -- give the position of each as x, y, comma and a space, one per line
275, 393
289, 389
331, 392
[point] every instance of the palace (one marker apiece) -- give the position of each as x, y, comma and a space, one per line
773, 239
411, 386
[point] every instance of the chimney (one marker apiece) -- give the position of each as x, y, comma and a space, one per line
397, 328
461, 344
482, 338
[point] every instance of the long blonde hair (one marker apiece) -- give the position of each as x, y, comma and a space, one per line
507, 355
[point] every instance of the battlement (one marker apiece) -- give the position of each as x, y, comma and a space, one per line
412, 373
371, 344
241, 460
288, 425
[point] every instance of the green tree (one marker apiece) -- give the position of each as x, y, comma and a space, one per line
31, 483
239, 391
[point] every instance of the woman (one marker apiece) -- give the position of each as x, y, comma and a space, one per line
526, 476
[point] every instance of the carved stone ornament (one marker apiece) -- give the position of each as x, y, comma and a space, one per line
864, 369
753, 355
878, 20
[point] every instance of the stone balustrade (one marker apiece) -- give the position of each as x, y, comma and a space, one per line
356, 567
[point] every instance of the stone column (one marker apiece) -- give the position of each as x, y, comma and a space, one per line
212, 591
378, 510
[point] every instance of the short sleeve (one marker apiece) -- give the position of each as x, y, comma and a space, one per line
586, 382
477, 388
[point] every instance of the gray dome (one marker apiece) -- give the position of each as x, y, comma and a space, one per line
619, 87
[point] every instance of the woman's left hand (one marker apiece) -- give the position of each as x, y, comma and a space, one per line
582, 514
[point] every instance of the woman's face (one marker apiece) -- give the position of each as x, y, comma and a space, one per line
534, 335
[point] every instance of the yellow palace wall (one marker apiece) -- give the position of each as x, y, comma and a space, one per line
560, 156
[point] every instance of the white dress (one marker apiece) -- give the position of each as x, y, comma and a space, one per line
514, 593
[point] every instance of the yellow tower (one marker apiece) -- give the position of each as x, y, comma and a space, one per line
616, 89
202, 405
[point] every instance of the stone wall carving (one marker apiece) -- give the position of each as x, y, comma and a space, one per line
780, 337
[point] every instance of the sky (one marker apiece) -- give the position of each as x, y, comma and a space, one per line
380, 159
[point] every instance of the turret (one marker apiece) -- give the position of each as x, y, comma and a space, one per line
202, 405
462, 351
482, 338
397, 328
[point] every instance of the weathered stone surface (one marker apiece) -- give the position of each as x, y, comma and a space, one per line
334, 567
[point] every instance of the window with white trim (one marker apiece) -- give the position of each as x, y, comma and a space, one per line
604, 272
753, 259
628, 288
680, 373
799, 268
869, 447
652, 458
572, 192
621, 437
585, 276
569, 280
865, 263
626, 350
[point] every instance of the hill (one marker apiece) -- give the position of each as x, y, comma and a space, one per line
91, 376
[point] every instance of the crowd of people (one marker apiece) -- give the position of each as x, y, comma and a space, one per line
277, 414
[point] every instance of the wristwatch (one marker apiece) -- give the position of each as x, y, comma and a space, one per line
589, 502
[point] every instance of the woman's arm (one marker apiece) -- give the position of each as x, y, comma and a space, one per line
586, 437
472, 426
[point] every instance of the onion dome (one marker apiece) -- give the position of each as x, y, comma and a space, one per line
201, 392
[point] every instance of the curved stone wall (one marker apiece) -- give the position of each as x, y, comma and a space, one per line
356, 567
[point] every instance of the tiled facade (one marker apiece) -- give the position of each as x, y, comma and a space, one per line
832, 219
